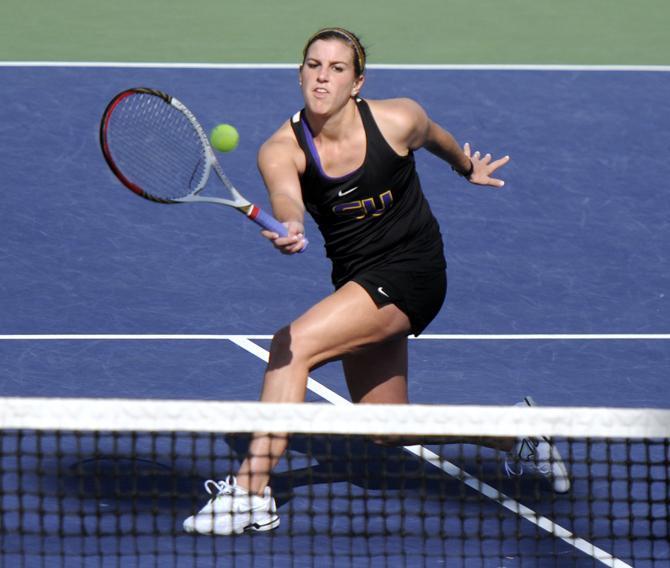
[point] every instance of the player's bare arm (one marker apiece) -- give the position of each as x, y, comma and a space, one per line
280, 161
407, 125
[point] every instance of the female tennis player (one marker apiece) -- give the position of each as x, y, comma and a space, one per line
350, 163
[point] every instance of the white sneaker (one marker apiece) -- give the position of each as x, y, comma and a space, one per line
540, 455
232, 510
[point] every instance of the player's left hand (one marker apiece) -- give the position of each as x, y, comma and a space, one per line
483, 167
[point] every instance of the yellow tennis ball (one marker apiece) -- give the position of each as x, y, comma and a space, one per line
224, 138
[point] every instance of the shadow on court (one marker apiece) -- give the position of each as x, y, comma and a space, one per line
100, 489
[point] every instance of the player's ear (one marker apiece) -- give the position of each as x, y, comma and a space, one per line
358, 85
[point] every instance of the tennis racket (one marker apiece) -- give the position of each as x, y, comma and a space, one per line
157, 148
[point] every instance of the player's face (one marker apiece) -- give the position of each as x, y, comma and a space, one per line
328, 77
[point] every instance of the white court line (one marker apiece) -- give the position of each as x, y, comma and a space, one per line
232, 337
389, 66
454, 471
549, 336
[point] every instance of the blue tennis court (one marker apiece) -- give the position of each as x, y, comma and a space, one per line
558, 283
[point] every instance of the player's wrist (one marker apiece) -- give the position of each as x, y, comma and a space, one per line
466, 173
297, 226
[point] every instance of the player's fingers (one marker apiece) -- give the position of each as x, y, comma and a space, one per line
293, 248
495, 182
466, 149
500, 162
271, 235
286, 241
291, 243
302, 243
282, 244
300, 246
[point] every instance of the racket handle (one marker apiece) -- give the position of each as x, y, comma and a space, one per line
260, 217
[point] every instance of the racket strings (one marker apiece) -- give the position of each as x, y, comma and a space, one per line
156, 147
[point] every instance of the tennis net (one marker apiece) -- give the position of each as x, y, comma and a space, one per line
110, 482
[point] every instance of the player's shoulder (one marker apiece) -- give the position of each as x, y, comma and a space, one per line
281, 140
401, 116
399, 121
281, 146
402, 108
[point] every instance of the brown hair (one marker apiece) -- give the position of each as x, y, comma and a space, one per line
349, 38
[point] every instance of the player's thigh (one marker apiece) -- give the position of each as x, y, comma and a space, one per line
378, 374
344, 322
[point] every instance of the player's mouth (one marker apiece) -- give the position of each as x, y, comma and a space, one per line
320, 92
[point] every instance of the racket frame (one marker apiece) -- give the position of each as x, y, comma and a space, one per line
237, 201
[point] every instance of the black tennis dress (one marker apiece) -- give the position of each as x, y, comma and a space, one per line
378, 228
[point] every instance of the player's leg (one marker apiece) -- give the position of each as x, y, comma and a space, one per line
378, 374
346, 322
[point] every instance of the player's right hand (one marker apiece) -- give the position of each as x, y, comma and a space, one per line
293, 243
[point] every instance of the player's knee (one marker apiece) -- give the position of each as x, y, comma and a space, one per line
280, 349
289, 348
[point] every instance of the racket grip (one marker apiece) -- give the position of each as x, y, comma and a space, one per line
260, 217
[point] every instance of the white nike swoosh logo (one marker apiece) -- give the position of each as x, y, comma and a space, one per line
344, 192
381, 291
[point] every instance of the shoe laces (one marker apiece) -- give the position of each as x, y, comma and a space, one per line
223, 487
516, 467
513, 469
